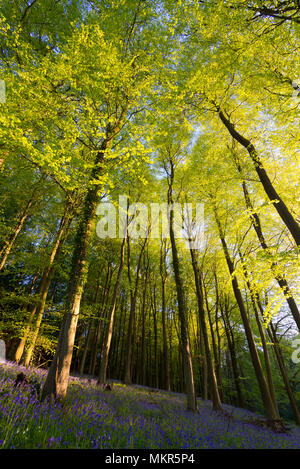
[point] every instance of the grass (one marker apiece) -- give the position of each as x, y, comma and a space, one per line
127, 417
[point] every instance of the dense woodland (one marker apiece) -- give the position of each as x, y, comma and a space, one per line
166, 102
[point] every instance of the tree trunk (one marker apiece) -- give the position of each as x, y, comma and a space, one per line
43, 289
46, 280
163, 274
182, 309
232, 351
86, 347
271, 192
133, 298
103, 312
217, 367
153, 305
264, 389
282, 282
109, 330
262, 336
56, 383
203, 367
5, 251
143, 344
90, 327
276, 346
213, 387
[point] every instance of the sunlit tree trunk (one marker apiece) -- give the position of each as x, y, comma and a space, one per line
282, 210
37, 309
212, 381
133, 299
109, 330
86, 347
281, 280
181, 302
232, 350
6, 249
102, 318
46, 280
143, 332
262, 336
277, 349
163, 274
56, 383
217, 367
90, 327
264, 389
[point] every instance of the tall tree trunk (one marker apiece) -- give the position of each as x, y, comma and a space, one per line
276, 346
262, 336
109, 330
282, 210
264, 389
133, 298
282, 282
39, 305
56, 383
101, 326
153, 304
90, 327
213, 387
6, 249
204, 376
64, 227
232, 351
181, 301
218, 346
86, 347
163, 275
217, 367
143, 333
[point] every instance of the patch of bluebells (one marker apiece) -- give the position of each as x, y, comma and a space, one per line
128, 417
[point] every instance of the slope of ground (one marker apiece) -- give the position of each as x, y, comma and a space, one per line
126, 417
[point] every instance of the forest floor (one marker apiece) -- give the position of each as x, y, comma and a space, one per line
131, 417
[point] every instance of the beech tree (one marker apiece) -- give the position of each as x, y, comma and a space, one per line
168, 103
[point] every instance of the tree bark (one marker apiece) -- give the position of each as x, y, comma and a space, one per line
46, 280
213, 387
109, 330
282, 282
264, 389
102, 313
163, 274
6, 249
232, 351
181, 302
276, 346
270, 190
56, 383
133, 298
262, 336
